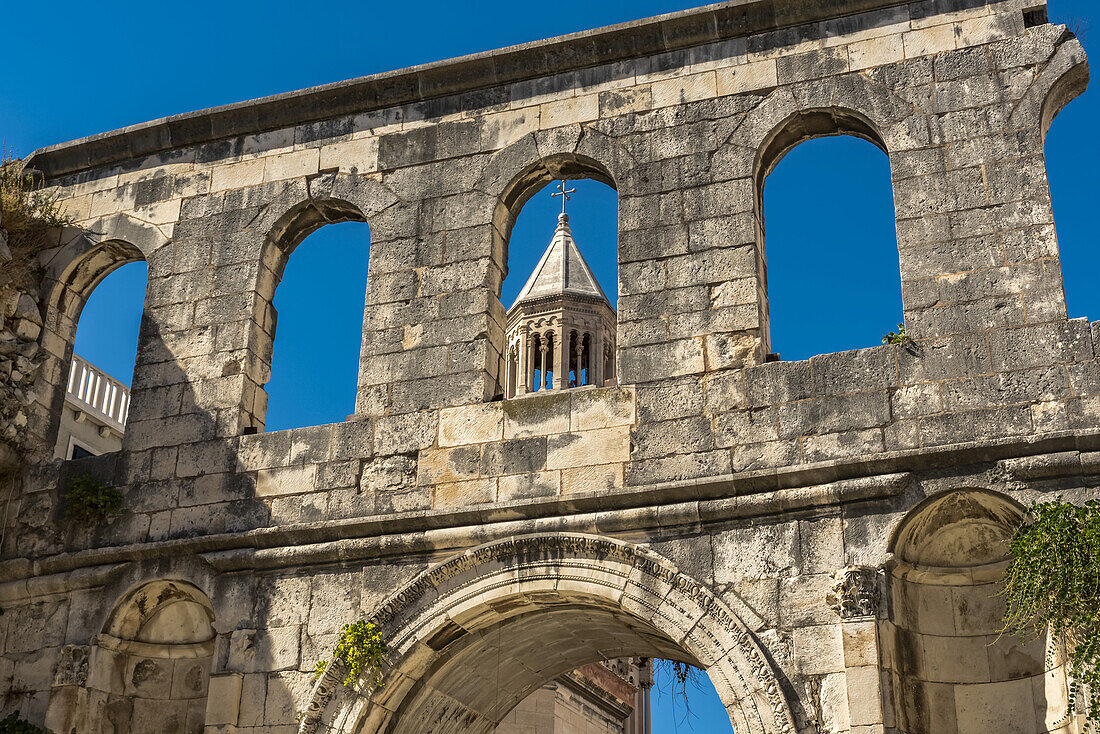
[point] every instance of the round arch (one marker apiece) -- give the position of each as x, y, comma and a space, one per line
958, 528
608, 597
526, 183
70, 273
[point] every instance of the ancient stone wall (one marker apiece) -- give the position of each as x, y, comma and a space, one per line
707, 509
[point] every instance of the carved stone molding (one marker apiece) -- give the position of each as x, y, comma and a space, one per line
72, 666
403, 611
856, 592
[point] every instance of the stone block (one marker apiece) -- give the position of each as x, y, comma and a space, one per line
684, 435
928, 41
223, 702
591, 479
585, 448
350, 156
514, 487
515, 456
834, 413
876, 52
285, 480
237, 175
541, 414
864, 696
448, 465
569, 111
684, 89
661, 361
464, 494
750, 77
469, 424
819, 650
398, 434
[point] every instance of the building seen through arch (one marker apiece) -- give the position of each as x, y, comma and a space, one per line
561, 328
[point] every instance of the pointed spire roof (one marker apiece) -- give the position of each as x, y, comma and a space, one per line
561, 270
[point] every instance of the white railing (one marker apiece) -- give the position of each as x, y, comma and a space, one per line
95, 392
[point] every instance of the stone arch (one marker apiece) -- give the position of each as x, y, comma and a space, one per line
950, 669
852, 107
149, 668
513, 175
71, 272
1063, 78
523, 182
614, 599
331, 199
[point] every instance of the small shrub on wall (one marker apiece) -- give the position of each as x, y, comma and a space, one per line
27, 215
12, 724
89, 502
1053, 583
361, 648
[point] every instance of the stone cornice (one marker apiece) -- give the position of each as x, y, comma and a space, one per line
689, 502
622, 42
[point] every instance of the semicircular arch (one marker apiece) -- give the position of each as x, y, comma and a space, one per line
489, 597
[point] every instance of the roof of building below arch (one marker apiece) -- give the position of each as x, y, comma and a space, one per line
561, 270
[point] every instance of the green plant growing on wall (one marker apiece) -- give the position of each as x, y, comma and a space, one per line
27, 215
362, 649
1053, 584
12, 724
897, 337
90, 502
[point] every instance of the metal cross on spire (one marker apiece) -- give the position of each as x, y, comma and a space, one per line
563, 194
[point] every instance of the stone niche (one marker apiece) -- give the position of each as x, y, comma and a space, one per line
952, 671
147, 671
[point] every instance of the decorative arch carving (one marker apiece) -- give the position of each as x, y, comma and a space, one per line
453, 605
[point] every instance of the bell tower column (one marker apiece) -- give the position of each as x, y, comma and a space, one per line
523, 383
596, 357
561, 356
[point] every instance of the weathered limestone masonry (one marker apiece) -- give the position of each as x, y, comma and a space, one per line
821, 536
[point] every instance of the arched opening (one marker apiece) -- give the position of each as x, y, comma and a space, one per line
831, 277
92, 321
148, 670
950, 668
1072, 166
474, 636
318, 288
559, 287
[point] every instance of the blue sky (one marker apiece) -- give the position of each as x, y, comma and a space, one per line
75, 68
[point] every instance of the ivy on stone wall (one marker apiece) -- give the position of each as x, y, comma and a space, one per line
12, 724
90, 502
362, 649
1053, 583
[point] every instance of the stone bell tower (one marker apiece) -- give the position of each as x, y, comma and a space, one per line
561, 328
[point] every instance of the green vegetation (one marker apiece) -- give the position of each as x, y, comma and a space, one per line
27, 215
12, 724
89, 502
360, 647
897, 337
1053, 584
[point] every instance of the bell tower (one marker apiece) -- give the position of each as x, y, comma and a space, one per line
561, 328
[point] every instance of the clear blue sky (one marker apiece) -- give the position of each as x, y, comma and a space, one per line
75, 68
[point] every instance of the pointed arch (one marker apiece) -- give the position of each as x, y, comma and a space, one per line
617, 599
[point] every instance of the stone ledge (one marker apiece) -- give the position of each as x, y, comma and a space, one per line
766, 492
625, 41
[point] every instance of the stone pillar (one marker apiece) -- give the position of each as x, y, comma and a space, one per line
542, 364
524, 380
595, 357
561, 358
856, 597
